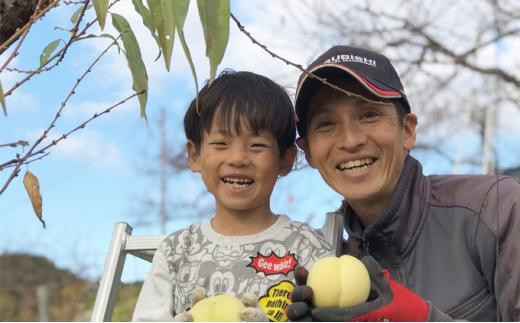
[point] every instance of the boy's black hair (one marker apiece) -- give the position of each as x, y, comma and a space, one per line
235, 96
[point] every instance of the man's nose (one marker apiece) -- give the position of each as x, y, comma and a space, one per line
351, 137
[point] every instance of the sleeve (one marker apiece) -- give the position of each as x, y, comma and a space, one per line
501, 212
507, 271
155, 302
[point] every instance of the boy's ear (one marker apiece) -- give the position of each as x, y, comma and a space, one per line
193, 156
304, 145
287, 160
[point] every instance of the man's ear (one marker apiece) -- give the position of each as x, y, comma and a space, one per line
409, 126
193, 156
287, 160
304, 145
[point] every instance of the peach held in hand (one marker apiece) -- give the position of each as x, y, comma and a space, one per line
221, 308
339, 282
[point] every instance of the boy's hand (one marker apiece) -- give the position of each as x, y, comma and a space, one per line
388, 301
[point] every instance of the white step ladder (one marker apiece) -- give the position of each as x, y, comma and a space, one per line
123, 243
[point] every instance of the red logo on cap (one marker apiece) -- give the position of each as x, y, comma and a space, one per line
272, 264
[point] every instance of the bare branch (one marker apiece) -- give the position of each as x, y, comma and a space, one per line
60, 54
22, 143
299, 66
30, 153
27, 25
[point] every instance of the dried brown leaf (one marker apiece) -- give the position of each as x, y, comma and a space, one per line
32, 186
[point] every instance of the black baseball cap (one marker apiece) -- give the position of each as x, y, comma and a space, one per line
372, 70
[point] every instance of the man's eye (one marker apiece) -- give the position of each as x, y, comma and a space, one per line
324, 124
369, 115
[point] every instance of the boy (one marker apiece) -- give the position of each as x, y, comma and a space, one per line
241, 137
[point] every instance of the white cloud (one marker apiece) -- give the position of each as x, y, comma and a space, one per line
86, 146
89, 147
83, 110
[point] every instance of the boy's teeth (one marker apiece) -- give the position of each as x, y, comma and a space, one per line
356, 163
237, 181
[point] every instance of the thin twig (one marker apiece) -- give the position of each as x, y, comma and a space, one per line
53, 122
15, 51
84, 123
27, 162
45, 68
74, 31
15, 144
27, 25
299, 66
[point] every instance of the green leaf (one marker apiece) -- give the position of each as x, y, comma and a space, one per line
101, 7
161, 24
181, 10
96, 36
214, 16
134, 59
168, 12
47, 51
2, 99
146, 15
75, 15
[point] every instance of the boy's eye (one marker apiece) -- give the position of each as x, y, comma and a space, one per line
259, 145
218, 144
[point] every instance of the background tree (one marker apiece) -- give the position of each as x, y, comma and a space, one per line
451, 56
164, 19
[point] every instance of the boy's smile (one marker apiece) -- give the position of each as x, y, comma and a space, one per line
237, 183
239, 170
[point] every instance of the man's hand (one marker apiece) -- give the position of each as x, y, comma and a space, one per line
388, 301
301, 297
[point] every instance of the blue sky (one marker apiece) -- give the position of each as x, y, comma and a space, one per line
96, 177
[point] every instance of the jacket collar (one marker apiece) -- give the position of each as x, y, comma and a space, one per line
392, 234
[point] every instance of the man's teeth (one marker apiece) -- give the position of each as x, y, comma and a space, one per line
237, 182
353, 164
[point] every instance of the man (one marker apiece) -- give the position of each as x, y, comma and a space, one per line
449, 244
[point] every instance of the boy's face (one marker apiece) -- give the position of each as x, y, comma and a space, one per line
358, 147
240, 170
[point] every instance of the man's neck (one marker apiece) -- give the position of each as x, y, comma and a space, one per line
239, 223
369, 212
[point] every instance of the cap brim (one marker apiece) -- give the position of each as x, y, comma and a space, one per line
308, 85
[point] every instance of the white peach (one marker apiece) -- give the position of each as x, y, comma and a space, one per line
339, 282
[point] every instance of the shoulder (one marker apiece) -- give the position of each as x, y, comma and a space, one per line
302, 227
471, 191
183, 237
307, 234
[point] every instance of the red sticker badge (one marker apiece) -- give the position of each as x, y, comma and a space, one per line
272, 264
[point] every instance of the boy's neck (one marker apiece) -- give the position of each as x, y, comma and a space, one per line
230, 223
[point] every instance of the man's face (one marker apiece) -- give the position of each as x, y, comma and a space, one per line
358, 147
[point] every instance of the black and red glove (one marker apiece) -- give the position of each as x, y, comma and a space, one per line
388, 301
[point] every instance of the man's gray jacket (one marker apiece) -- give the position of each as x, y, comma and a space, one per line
454, 240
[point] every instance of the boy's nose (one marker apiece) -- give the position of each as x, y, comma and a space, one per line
238, 157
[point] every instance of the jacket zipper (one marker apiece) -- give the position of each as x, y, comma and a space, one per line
473, 304
364, 244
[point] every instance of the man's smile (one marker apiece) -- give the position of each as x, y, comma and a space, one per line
356, 165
